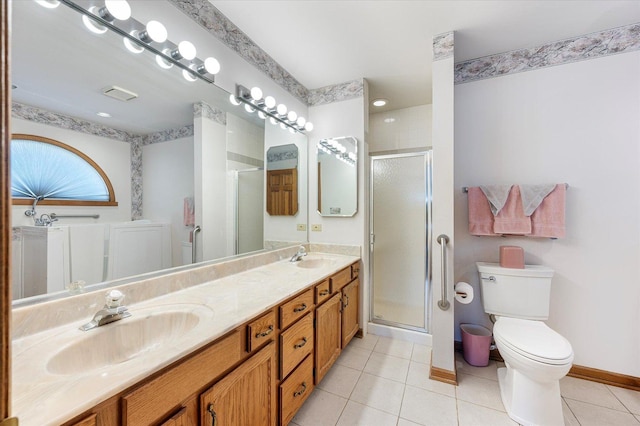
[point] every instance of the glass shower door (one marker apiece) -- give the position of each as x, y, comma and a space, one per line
400, 226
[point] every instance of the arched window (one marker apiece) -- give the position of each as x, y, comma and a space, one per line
57, 173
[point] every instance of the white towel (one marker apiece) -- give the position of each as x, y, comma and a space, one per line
497, 196
532, 196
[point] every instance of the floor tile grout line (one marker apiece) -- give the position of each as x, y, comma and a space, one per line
570, 409
599, 406
619, 400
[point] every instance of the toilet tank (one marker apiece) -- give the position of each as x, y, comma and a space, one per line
517, 293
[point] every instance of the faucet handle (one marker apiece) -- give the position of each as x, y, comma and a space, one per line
114, 299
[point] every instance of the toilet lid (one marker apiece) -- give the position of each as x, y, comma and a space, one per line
534, 340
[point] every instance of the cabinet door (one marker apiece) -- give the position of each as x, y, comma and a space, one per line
350, 311
327, 336
246, 396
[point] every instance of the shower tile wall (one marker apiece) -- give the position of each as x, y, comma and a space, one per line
407, 128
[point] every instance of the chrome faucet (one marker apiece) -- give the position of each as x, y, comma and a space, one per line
112, 311
298, 256
45, 220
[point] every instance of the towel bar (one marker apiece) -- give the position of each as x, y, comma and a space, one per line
465, 189
92, 216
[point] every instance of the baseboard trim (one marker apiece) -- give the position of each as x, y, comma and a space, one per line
605, 377
581, 372
442, 375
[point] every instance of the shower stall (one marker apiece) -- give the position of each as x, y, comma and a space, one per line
400, 240
249, 210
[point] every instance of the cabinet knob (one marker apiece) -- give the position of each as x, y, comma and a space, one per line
214, 419
299, 345
324, 292
267, 332
301, 390
300, 308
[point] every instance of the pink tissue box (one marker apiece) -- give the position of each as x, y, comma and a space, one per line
512, 257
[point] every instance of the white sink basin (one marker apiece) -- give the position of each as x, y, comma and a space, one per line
122, 341
313, 263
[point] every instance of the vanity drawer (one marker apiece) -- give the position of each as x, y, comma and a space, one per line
355, 270
91, 420
261, 330
295, 344
295, 390
323, 292
296, 308
340, 279
141, 407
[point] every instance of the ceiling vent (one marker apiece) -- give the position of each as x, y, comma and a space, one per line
119, 93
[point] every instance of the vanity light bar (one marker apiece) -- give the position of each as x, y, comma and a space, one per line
166, 53
266, 107
331, 147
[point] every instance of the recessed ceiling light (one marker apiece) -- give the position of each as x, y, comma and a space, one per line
389, 120
103, 114
379, 102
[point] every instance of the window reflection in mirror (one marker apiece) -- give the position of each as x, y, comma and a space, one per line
282, 180
338, 176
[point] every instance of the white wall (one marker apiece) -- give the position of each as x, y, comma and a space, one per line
401, 129
575, 123
112, 156
167, 178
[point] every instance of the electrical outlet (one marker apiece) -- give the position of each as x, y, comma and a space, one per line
301, 227
316, 227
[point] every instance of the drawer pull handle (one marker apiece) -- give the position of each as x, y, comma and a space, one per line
299, 345
303, 389
300, 308
214, 419
324, 292
265, 333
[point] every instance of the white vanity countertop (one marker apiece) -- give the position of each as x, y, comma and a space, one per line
41, 397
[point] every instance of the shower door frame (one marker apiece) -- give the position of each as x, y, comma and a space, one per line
236, 206
428, 173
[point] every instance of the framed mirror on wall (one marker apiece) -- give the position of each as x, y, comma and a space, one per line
337, 176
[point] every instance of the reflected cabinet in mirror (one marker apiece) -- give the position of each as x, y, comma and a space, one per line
338, 176
282, 180
178, 154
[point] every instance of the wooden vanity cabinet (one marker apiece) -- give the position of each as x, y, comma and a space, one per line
258, 374
336, 319
246, 396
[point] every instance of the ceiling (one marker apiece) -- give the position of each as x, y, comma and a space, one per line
325, 42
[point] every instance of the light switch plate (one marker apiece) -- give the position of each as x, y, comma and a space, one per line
316, 227
301, 227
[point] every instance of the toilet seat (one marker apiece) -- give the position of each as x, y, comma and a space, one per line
533, 340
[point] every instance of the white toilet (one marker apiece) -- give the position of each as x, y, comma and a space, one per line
536, 357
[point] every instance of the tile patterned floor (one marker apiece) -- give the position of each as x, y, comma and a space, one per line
380, 381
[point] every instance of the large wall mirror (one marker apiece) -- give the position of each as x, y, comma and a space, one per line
178, 154
338, 176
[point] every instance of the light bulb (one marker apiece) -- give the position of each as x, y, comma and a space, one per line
249, 108
212, 66
118, 9
282, 126
292, 130
154, 31
309, 126
185, 50
262, 115
301, 122
234, 100
49, 4
91, 25
131, 46
270, 102
282, 109
273, 121
188, 76
292, 116
256, 93
163, 63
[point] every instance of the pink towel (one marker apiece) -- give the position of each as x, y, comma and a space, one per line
189, 215
511, 219
548, 219
480, 216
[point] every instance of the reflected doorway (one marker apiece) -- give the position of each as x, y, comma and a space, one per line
400, 234
249, 210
